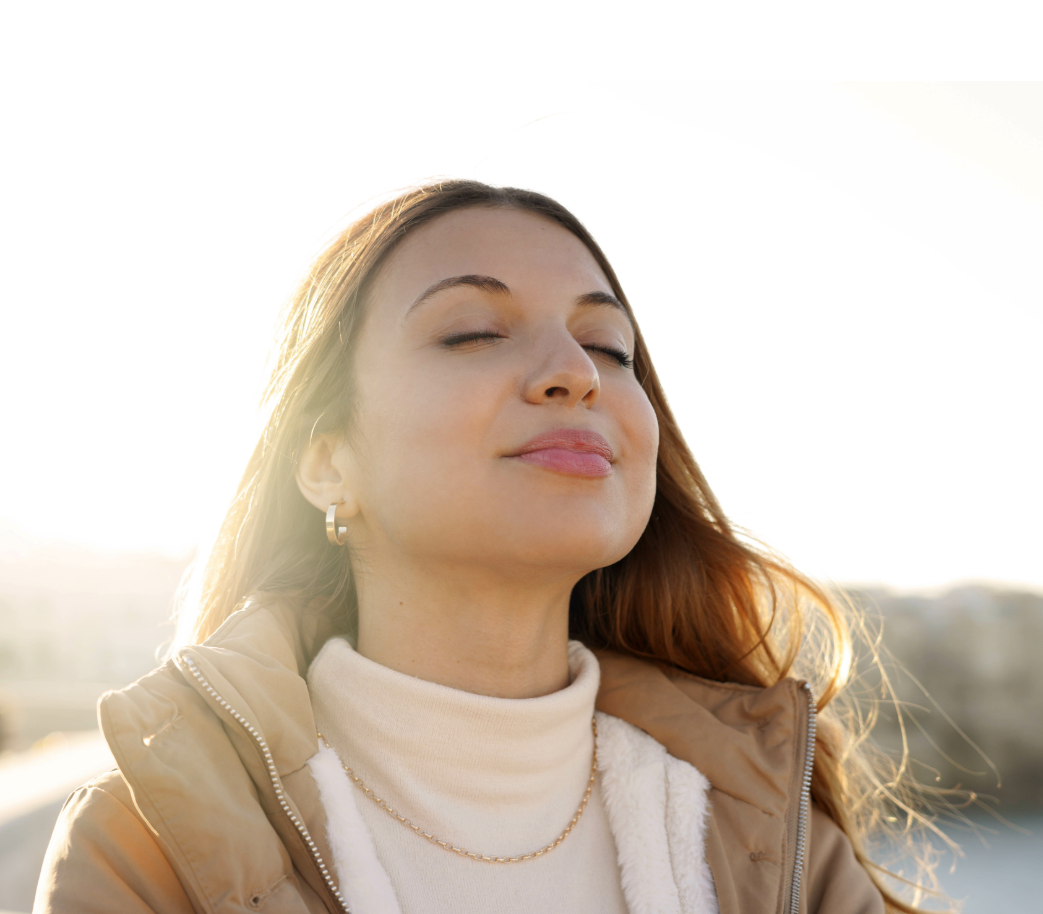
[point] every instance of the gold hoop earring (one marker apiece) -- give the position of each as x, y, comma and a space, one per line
335, 534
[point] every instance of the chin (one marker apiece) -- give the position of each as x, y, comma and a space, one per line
578, 541
571, 532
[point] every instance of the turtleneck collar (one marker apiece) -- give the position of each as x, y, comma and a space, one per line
496, 775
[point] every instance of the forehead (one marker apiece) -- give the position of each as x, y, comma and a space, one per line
522, 249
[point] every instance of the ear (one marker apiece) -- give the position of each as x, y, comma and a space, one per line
325, 477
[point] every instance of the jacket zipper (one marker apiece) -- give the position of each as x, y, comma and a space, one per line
276, 781
805, 801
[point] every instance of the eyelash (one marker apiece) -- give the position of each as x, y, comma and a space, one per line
459, 339
619, 355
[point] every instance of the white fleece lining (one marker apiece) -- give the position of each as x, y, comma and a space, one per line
657, 809
361, 877
687, 811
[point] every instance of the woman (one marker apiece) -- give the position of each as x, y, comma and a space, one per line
522, 664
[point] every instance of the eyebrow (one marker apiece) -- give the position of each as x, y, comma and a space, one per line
485, 283
497, 287
603, 298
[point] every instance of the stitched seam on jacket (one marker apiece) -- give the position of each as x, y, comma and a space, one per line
724, 686
257, 899
763, 812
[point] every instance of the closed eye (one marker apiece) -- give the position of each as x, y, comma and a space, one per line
472, 336
475, 336
618, 354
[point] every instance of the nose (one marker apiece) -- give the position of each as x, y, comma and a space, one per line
562, 373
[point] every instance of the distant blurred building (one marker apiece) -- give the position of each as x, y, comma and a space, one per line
976, 651
72, 624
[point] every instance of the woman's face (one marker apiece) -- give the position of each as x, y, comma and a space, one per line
499, 421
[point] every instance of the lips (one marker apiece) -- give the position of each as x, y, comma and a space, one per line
572, 452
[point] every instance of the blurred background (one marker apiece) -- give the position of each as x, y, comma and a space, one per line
840, 284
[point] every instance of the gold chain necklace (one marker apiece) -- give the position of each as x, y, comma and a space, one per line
482, 858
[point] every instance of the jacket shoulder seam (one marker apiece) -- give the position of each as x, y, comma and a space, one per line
732, 686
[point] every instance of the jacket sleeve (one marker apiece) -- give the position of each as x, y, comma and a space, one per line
103, 859
836, 882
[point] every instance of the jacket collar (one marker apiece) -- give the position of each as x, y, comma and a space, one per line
213, 747
740, 737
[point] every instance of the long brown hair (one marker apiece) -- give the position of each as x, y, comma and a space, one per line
692, 594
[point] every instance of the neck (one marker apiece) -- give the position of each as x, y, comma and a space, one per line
473, 632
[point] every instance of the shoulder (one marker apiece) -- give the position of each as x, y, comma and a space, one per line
102, 857
836, 881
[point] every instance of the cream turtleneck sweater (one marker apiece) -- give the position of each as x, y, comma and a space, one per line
493, 775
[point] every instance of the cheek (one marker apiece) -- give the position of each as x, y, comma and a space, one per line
641, 428
422, 440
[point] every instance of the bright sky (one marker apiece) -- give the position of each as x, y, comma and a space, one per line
840, 285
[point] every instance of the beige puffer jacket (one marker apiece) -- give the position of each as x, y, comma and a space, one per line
213, 809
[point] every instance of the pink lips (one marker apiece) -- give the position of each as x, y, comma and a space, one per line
571, 451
